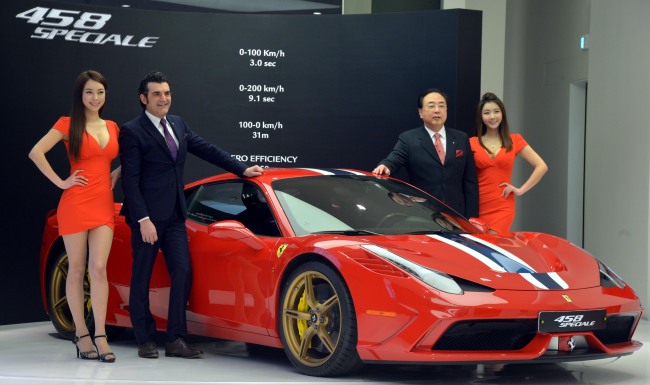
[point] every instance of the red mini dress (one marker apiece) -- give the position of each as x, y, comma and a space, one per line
497, 211
86, 207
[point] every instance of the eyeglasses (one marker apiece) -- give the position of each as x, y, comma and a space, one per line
440, 106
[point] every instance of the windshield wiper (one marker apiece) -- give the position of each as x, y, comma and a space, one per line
347, 232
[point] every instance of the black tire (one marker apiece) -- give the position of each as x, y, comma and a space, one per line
57, 301
317, 322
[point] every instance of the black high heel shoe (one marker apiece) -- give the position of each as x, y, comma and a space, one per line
106, 357
89, 355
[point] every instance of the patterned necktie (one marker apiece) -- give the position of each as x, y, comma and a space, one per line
439, 148
173, 148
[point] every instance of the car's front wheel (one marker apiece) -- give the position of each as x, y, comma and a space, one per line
318, 323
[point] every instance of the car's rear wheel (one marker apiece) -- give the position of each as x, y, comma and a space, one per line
57, 301
318, 323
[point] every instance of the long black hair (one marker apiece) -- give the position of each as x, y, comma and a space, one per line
504, 129
78, 112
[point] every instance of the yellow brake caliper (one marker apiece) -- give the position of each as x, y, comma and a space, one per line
302, 307
89, 305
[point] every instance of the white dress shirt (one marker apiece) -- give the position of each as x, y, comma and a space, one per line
156, 123
443, 136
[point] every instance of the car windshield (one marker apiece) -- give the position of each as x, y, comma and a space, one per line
362, 205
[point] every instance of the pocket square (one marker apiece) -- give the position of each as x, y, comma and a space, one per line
459, 153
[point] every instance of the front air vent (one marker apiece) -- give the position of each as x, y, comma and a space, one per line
506, 335
618, 329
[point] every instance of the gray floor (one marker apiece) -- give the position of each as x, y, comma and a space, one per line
34, 354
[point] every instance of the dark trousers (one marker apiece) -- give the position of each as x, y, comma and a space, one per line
172, 240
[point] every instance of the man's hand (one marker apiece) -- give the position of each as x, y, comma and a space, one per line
148, 231
253, 171
381, 170
115, 175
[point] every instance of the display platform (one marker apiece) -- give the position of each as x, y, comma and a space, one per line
33, 353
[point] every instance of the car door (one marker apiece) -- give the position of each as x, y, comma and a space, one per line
231, 278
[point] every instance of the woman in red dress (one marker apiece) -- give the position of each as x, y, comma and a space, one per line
86, 209
495, 150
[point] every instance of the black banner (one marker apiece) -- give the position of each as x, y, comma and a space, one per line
273, 90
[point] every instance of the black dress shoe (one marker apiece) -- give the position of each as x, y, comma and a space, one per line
148, 350
180, 348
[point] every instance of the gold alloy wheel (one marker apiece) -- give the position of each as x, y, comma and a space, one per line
58, 302
311, 318
317, 321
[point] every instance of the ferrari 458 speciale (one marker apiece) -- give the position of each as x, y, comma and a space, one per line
341, 267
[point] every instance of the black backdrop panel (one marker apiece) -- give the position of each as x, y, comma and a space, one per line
274, 90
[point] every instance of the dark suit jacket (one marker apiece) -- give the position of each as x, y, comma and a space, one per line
152, 181
455, 183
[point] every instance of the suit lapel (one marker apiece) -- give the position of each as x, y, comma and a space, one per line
180, 136
150, 129
175, 129
452, 144
427, 143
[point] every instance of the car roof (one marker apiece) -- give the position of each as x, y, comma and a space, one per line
271, 174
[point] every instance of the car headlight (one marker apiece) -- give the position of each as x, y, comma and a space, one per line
608, 278
436, 279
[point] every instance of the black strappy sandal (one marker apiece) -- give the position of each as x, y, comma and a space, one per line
89, 355
106, 357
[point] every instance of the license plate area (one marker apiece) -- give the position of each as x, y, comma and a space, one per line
571, 321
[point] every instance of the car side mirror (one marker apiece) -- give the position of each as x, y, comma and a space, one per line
235, 231
480, 225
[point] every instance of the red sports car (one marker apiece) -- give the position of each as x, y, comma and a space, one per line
341, 267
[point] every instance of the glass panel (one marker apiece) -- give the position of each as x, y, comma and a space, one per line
363, 204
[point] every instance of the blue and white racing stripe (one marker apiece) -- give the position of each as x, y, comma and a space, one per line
500, 260
333, 171
550, 281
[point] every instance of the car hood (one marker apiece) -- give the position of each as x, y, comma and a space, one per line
515, 261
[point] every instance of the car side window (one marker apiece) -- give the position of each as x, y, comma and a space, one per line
215, 202
239, 200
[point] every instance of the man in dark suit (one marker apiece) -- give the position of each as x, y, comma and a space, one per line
153, 150
438, 159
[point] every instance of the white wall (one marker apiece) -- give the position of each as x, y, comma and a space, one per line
493, 41
351, 7
531, 58
543, 60
545, 75
617, 175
